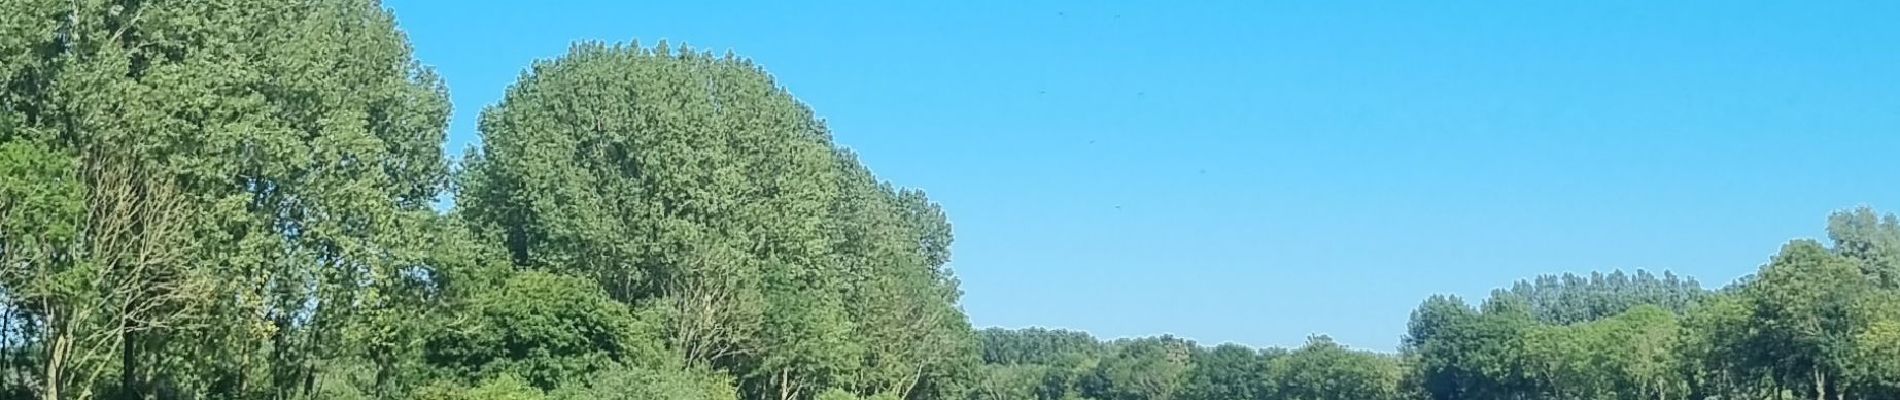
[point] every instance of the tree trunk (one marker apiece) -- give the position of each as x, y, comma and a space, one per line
128, 360
7, 347
785, 384
1820, 385
911, 383
56, 358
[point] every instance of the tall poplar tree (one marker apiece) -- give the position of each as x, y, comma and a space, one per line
244, 178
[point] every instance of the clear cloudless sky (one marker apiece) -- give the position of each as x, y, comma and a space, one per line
1259, 171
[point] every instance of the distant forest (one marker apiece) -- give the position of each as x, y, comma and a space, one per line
239, 199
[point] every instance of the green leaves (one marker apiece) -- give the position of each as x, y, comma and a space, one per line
649, 384
1149, 368
1570, 298
288, 150
544, 328
1803, 301
506, 387
1634, 353
234, 199
692, 185
1036, 363
1807, 324
1230, 372
41, 198
1871, 240
1324, 370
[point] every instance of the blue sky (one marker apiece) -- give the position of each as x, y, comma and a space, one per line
1259, 171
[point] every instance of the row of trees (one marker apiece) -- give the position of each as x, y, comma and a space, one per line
235, 199
1054, 364
1817, 321
229, 197
1600, 336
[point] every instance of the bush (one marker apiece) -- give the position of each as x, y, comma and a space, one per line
649, 384
503, 387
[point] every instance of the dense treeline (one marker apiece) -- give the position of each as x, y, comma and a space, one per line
1817, 321
215, 198
236, 199
1055, 364
1570, 298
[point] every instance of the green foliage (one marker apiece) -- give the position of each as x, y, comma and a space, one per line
41, 198
250, 171
1629, 355
1324, 370
1230, 372
1877, 351
503, 387
1720, 350
1804, 300
1466, 354
648, 384
1871, 240
1171, 368
691, 185
1814, 323
657, 173
1150, 368
1037, 346
543, 328
1013, 381
234, 199
1568, 298
836, 394
1439, 314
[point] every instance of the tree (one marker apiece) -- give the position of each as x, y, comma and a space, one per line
1720, 347
810, 346
1146, 369
681, 180
1804, 302
1434, 336
1465, 354
892, 246
279, 139
1870, 239
1650, 336
603, 164
1877, 351
1229, 372
1324, 370
544, 329
1008, 382
693, 185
